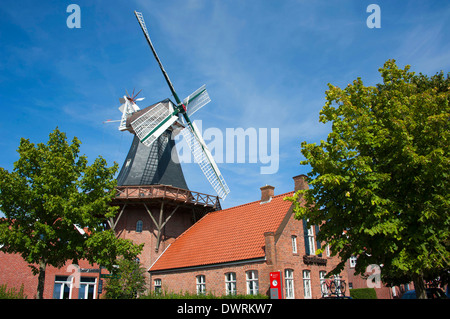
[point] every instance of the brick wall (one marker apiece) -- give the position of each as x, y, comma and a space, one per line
287, 259
180, 281
185, 280
14, 272
181, 220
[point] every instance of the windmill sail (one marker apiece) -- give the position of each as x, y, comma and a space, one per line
141, 21
150, 125
204, 158
196, 100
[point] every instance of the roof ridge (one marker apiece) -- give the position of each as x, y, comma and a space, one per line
214, 212
246, 204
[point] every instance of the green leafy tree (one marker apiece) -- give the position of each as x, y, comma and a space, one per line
128, 281
380, 182
49, 197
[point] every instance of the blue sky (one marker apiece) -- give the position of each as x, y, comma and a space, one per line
266, 64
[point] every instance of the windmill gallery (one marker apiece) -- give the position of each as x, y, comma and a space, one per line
190, 243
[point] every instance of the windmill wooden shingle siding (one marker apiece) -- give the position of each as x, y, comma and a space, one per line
154, 165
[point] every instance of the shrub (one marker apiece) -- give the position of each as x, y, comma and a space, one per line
11, 293
363, 293
187, 295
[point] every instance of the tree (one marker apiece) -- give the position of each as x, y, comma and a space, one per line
51, 195
127, 281
380, 182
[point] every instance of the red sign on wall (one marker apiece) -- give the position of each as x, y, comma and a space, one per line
276, 290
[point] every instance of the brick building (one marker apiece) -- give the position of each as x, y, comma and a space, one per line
235, 250
68, 282
372, 279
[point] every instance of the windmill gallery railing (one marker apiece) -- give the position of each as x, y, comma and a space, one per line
166, 192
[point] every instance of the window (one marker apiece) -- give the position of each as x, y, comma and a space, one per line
294, 244
328, 251
201, 286
352, 262
323, 285
312, 248
230, 283
87, 288
139, 225
62, 288
158, 285
289, 283
307, 284
394, 291
252, 282
308, 233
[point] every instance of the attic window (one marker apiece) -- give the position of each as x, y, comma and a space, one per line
294, 244
352, 262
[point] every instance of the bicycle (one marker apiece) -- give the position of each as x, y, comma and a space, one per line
335, 287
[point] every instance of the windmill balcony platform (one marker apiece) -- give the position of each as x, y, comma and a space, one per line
165, 192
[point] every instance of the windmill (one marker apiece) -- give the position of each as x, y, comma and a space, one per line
148, 124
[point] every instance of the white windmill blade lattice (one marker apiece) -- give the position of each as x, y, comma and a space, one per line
196, 100
142, 22
204, 158
150, 125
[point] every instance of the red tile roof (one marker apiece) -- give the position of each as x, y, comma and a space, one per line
227, 235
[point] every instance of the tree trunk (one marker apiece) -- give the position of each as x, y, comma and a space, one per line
41, 280
419, 286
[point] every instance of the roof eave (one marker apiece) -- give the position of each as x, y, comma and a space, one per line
222, 264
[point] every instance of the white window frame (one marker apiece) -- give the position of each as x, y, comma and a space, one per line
230, 283
294, 244
323, 285
353, 261
64, 283
311, 241
289, 283
328, 250
86, 284
252, 282
307, 284
157, 285
201, 284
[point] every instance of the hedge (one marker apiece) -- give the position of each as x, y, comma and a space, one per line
187, 295
363, 293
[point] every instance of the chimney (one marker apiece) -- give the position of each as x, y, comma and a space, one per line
300, 182
271, 256
266, 193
